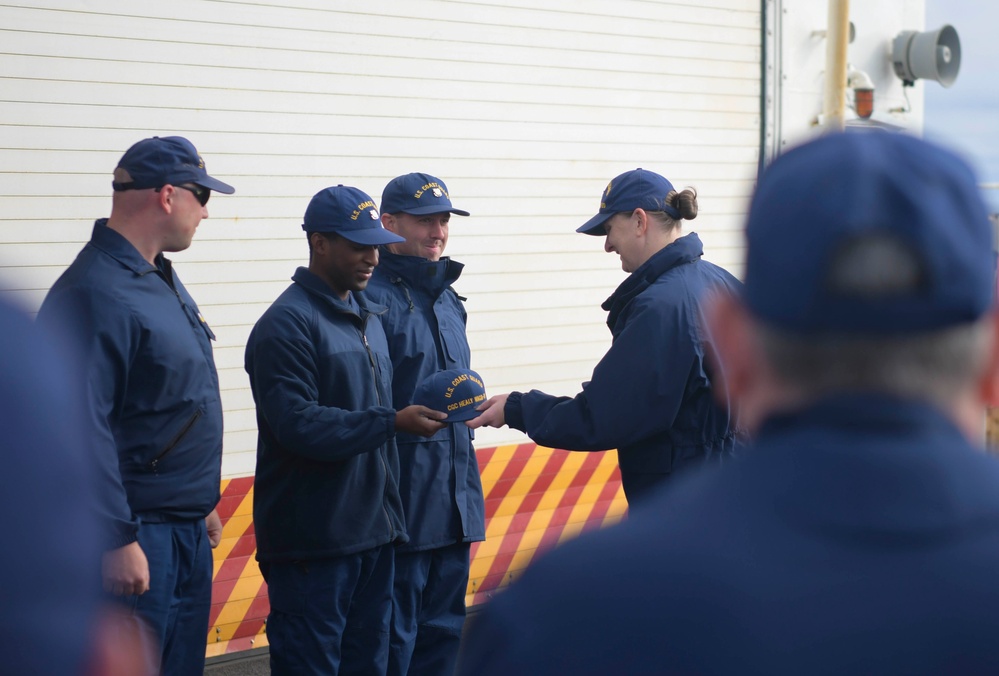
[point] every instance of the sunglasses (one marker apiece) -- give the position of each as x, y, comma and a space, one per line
201, 194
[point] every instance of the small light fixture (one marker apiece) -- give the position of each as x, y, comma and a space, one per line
863, 92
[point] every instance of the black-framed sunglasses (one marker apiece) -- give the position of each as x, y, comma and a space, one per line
200, 193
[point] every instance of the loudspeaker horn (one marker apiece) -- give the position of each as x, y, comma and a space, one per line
933, 55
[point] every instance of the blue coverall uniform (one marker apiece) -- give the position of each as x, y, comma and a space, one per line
51, 560
650, 396
439, 480
326, 495
859, 535
155, 414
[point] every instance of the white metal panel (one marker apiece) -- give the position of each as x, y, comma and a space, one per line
525, 108
801, 64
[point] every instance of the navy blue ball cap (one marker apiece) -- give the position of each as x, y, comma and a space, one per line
350, 213
158, 161
456, 392
821, 206
417, 194
635, 189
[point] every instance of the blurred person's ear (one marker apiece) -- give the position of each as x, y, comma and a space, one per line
727, 350
988, 387
741, 379
122, 646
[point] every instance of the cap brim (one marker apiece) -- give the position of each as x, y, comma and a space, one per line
214, 184
434, 209
595, 226
462, 416
370, 236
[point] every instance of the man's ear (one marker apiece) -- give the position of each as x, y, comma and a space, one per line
389, 222
988, 386
320, 243
164, 197
730, 347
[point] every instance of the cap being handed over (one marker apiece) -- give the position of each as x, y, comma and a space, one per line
455, 391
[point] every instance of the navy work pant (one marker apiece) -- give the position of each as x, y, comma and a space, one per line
330, 616
175, 609
429, 610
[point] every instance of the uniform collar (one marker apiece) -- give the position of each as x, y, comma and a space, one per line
114, 244
420, 273
682, 250
867, 412
311, 282
872, 467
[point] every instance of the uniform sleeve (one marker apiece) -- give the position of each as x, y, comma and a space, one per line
283, 367
635, 391
103, 335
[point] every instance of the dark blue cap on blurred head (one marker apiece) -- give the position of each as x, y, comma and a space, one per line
456, 392
155, 162
417, 194
911, 207
350, 213
635, 189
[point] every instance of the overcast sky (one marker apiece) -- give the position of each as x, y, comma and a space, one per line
966, 115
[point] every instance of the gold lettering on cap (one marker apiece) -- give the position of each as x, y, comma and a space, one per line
438, 190
363, 206
460, 378
603, 202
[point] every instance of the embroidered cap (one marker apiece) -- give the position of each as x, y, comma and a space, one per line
350, 213
417, 194
158, 161
456, 392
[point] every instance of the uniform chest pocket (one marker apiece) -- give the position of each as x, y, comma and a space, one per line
453, 341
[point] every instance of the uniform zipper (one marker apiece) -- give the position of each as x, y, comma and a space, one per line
378, 398
176, 440
405, 289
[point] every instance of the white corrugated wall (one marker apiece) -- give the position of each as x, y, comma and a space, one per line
526, 108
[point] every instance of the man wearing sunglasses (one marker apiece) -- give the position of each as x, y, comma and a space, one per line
152, 395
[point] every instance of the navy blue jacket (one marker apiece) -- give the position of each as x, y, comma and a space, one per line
50, 565
650, 395
327, 480
425, 323
858, 536
153, 403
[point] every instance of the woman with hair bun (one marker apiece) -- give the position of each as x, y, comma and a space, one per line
651, 396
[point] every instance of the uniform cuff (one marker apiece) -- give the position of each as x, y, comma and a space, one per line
125, 534
390, 424
513, 414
